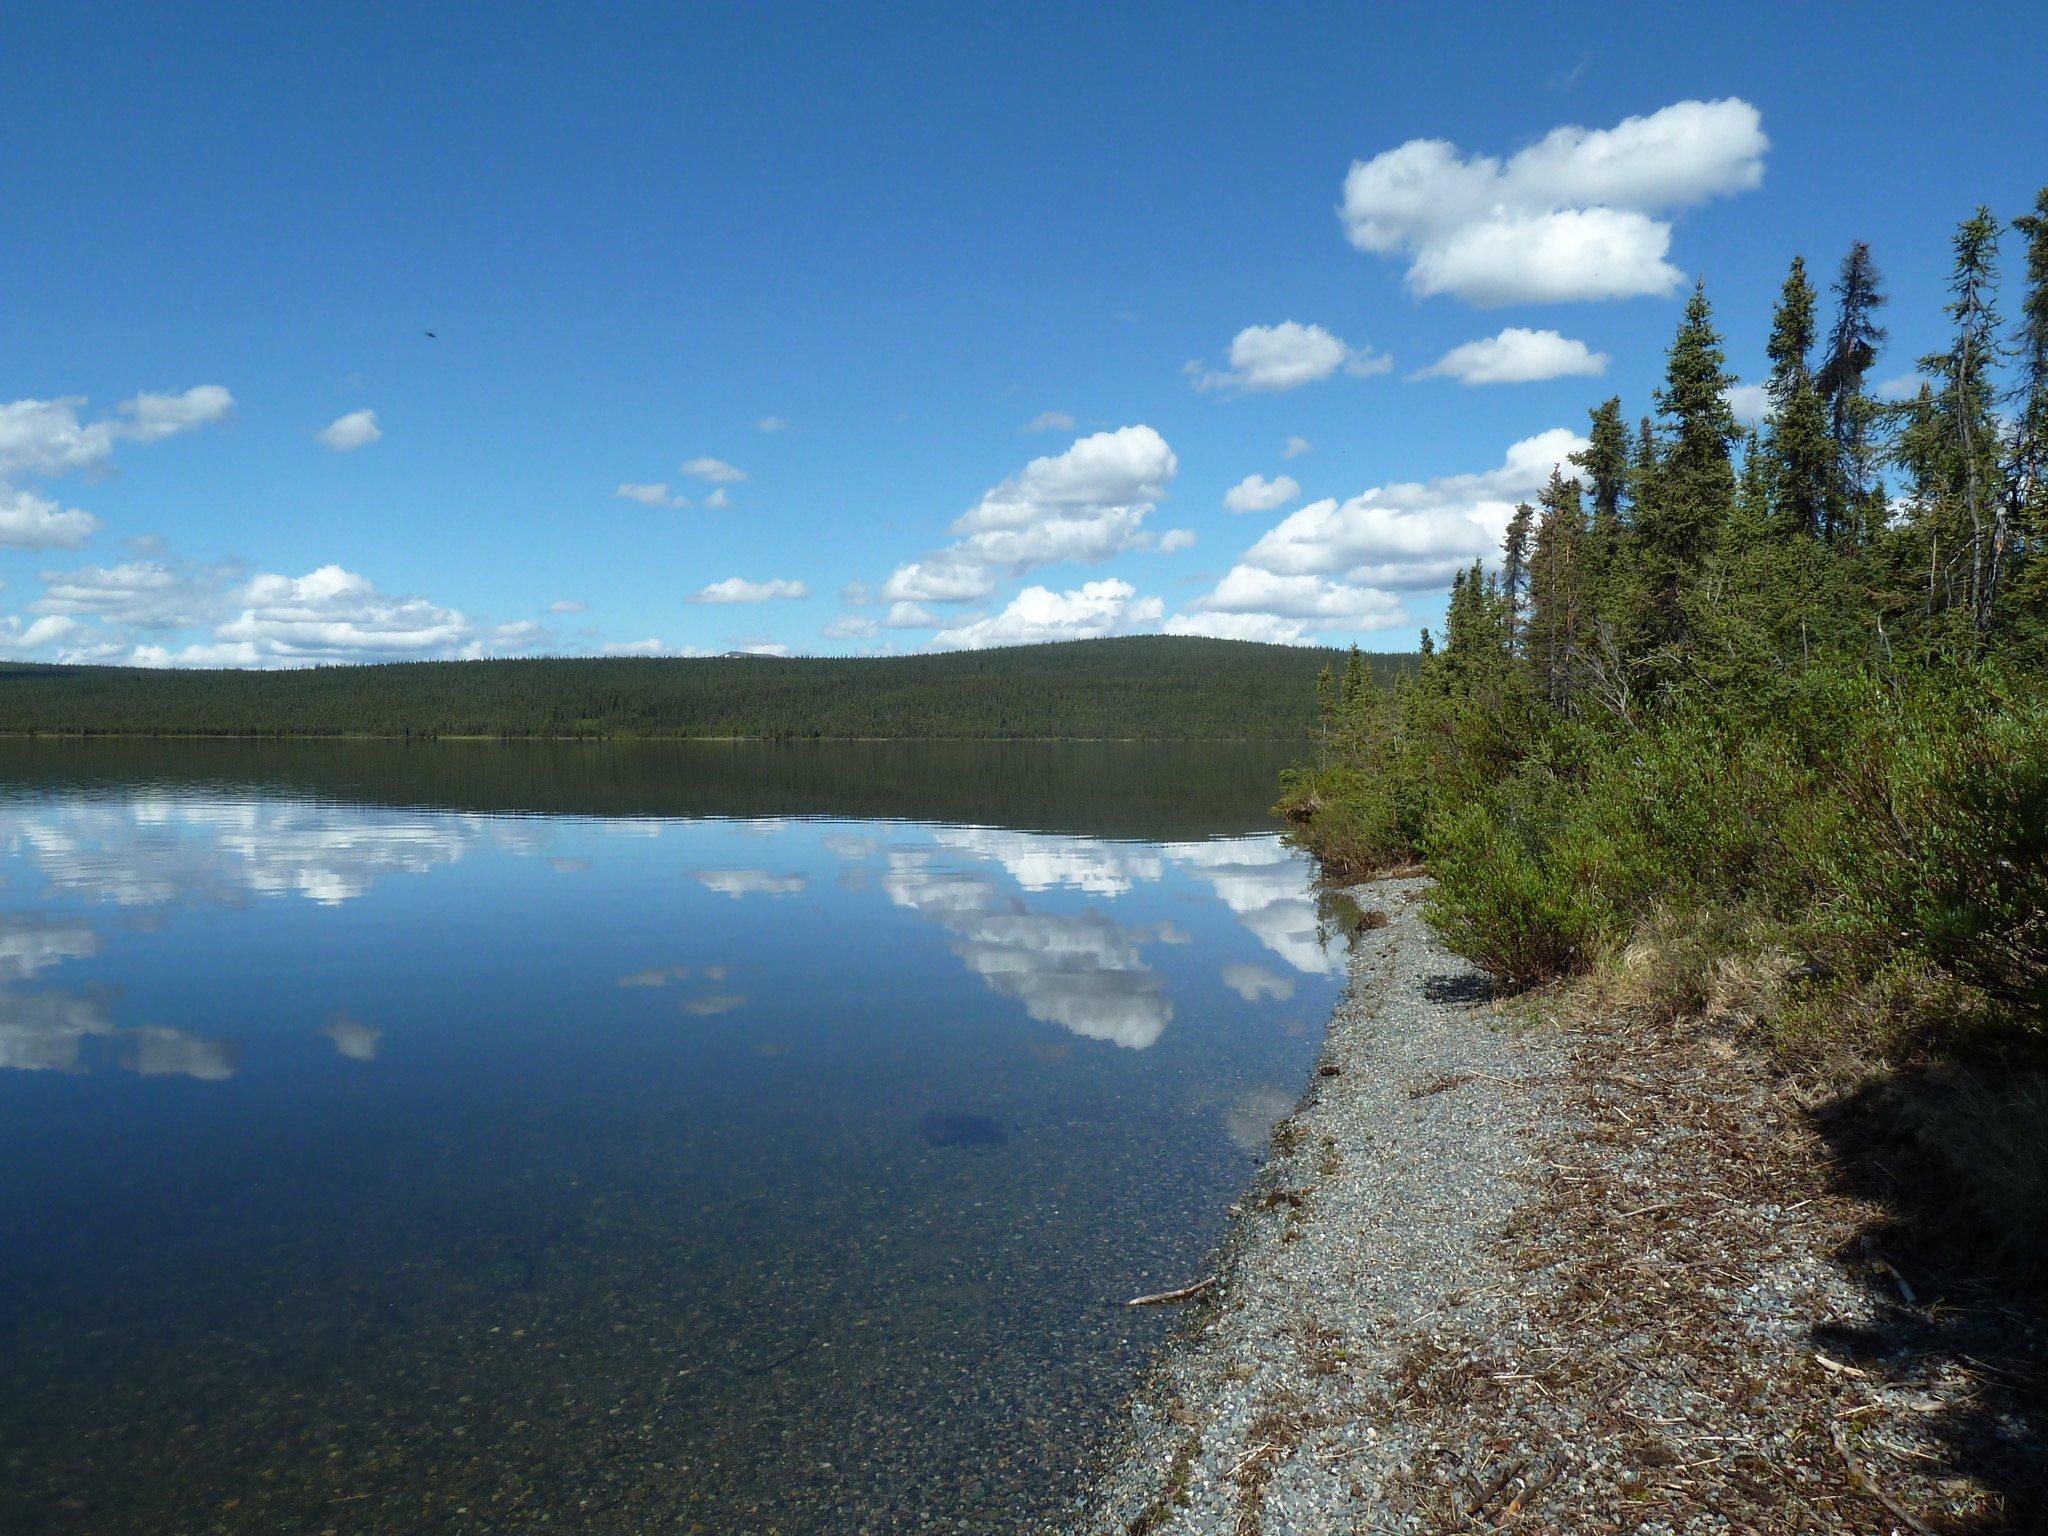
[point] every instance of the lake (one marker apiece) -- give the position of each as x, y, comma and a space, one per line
487, 1137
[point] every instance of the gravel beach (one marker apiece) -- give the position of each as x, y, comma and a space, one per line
1512, 1268
1375, 1216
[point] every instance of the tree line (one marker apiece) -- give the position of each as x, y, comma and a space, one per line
1155, 687
1754, 701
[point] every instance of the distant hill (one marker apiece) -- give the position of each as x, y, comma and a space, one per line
1151, 687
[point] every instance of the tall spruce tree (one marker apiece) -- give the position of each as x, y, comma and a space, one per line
1605, 462
1676, 527
1951, 446
1852, 348
1799, 453
2025, 487
1514, 568
1558, 608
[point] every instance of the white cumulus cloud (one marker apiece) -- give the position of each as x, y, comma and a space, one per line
46, 437
1414, 534
329, 615
345, 434
1248, 590
139, 594
716, 471
1573, 216
938, 580
1341, 566
1748, 403
1272, 358
1255, 493
29, 521
651, 494
1094, 609
1083, 505
1267, 628
1295, 447
736, 589
1518, 355
1050, 421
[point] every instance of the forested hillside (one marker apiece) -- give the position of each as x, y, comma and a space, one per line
1757, 721
1155, 687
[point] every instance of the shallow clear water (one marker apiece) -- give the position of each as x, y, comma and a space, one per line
367, 1165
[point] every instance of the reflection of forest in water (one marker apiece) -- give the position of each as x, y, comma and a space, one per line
1107, 789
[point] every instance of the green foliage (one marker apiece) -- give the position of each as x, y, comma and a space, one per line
1942, 847
1155, 687
1753, 713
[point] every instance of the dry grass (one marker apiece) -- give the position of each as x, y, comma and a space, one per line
1691, 1200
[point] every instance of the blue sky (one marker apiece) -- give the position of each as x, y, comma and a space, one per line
878, 262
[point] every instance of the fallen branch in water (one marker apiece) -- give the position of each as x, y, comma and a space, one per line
1160, 1298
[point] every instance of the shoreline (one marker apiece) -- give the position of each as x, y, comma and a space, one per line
1369, 1219
1512, 1267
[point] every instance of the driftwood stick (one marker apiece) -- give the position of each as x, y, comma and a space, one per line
1160, 1298
1861, 1480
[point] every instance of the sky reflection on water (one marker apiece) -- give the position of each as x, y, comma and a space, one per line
632, 1169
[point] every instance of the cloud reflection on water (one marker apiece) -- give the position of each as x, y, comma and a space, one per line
159, 852
353, 1039
1267, 885
48, 1031
1082, 971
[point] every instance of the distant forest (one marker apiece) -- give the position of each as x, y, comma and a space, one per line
1145, 687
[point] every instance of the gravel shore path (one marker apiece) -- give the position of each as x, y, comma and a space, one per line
1514, 1265
1376, 1216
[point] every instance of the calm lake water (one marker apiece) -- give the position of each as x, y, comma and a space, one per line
486, 1138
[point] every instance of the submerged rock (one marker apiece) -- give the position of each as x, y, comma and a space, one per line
948, 1128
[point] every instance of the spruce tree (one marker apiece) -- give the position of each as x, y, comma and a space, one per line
1852, 348
1800, 452
1356, 679
1557, 594
1605, 462
1514, 568
1954, 443
1695, 482
2025, 487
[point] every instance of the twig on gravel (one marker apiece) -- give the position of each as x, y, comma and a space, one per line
1161, 1298
1862, 1481
1485, 1496
1836, 1368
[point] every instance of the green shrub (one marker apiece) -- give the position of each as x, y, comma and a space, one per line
1944, 850
1524, 894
